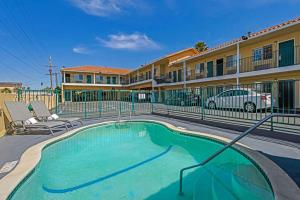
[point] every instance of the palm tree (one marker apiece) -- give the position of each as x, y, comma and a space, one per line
201, 46
6, 91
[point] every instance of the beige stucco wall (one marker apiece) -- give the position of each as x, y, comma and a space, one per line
4, 116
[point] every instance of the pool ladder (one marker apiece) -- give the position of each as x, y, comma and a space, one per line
248, 131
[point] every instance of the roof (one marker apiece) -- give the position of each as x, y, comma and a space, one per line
181, 51
169, 55
10, 84
250, 36
97, 69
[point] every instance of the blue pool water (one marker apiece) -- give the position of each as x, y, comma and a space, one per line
140, 160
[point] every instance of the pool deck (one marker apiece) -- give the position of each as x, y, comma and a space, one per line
285, 154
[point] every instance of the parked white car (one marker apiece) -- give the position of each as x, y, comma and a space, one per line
247, 99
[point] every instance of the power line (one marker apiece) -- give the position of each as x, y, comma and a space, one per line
20, 73
20, 43
35, 58
17, 58
13, 19
27, 17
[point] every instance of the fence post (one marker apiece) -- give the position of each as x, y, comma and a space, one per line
272, 105
202, 104
132, 101
119, 99
100, 102
56, 100
84, 98
152, 100
168, 92
19, 94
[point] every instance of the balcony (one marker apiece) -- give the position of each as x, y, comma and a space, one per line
265, 61
166, 79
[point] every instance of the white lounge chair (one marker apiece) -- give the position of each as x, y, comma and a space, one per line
42, 113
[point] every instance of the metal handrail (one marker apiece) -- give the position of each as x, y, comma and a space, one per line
252, 128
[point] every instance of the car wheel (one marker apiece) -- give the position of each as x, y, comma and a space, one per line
211, 105
250, 107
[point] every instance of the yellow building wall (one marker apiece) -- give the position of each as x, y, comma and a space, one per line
246, 49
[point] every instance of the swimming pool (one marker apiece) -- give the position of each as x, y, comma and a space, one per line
140, 160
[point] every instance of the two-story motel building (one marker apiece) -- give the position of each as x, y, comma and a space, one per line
272, 54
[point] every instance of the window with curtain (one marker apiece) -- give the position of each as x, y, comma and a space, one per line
231, 61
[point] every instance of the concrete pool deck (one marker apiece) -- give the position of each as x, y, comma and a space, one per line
286, 155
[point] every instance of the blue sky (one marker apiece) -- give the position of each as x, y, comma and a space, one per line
120, 33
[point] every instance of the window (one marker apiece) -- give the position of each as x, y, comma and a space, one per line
240, 92
88, 78
257, 54
114, 80
108, 80
67, 95
210, 91
231, 61
268, 52
226, 94
174, 76
170, 75
189, 72
262, 53
264, 87
179, 75
150, 74
219, 89
68, 78
155, 71
99, 79
199, 68
78, 78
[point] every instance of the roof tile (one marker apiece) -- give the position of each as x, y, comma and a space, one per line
97, 69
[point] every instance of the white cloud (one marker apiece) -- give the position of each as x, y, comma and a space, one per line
103, 8
80, 50
135, 41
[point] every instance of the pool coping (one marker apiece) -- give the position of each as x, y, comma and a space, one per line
278, 179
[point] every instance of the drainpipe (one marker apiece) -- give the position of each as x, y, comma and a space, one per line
238, 64
184, 74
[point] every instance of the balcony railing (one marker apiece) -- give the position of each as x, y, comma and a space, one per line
265, 61
166, 79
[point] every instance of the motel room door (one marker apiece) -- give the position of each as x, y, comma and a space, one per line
210, 69
220, 67
286, 53
286, 95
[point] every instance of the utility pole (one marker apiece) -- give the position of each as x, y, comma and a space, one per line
51, 73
